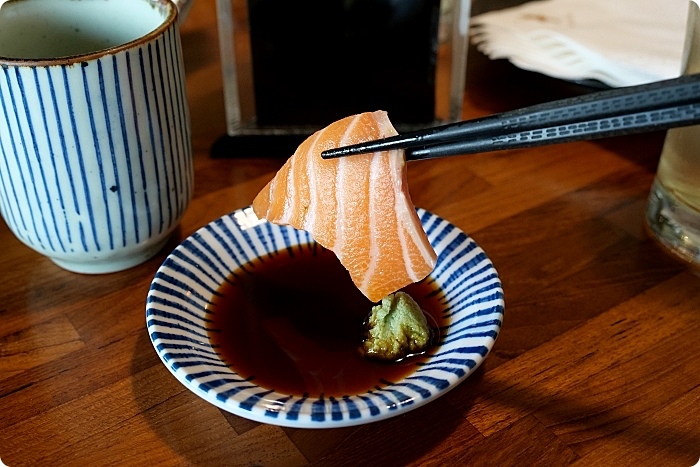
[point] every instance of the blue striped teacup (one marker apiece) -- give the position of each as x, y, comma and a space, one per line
95, 152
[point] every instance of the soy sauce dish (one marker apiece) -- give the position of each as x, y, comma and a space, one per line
262, 322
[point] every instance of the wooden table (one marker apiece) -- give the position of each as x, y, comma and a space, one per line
597, 362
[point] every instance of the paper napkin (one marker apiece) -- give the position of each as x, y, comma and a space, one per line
617, 42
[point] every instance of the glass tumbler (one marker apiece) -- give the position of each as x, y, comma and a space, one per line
673, 212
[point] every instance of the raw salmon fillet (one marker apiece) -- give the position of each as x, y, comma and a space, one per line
356, 206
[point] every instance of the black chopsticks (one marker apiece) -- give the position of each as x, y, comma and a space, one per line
636, 109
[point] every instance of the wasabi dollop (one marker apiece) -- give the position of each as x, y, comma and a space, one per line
396, 328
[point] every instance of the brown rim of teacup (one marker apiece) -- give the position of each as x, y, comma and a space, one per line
71, 59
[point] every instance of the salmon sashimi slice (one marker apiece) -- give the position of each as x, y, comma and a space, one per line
357, 206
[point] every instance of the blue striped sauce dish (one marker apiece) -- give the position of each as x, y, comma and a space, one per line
178, 321
95, 153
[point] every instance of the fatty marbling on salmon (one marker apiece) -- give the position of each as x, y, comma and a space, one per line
358, 206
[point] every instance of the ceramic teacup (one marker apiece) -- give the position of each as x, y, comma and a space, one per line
95, 151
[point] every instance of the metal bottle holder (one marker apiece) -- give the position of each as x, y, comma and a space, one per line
291, 67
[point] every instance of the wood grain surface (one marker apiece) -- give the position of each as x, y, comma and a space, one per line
597, 363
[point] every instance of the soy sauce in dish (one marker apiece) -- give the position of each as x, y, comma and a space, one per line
293, 321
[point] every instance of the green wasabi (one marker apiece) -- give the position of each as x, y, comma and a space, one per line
396, 328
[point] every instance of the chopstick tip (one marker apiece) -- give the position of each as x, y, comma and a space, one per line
329, 154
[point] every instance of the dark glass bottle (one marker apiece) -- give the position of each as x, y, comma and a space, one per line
316, 61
